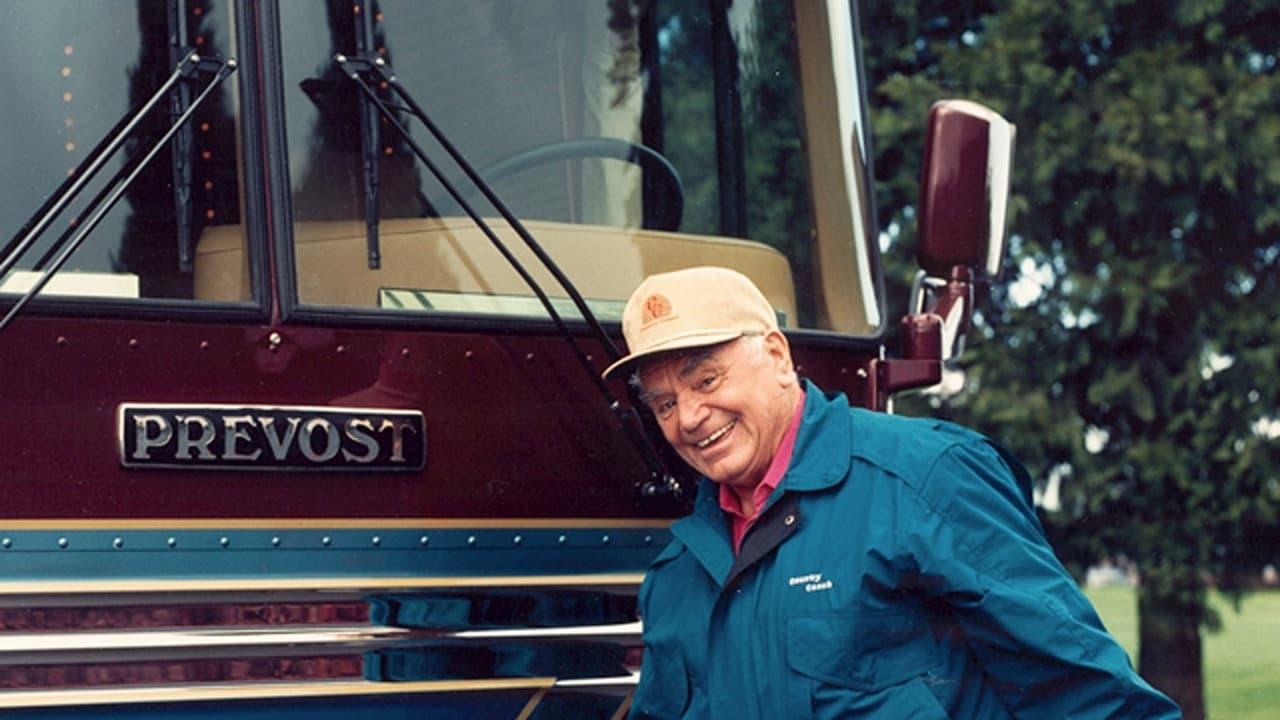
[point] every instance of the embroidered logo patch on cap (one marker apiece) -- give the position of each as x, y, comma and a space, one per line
656, 307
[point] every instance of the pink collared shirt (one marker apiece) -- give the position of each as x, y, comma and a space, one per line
729, 502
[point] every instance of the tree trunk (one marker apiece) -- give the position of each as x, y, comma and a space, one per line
1169, 655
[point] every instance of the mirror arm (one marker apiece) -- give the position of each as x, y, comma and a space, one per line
954, 304
920, 364
932, 335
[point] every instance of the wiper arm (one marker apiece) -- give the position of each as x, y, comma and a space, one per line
662, 482
70, 185
87, 168
107, 198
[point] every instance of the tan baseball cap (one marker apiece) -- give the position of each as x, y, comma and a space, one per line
690, 308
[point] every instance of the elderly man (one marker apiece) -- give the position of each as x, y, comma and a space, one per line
840, 563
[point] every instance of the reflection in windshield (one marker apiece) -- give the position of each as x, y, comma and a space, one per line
90, 48
521, 88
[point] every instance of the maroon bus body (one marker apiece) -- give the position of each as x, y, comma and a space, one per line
513, 426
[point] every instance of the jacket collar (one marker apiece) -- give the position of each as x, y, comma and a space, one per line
824, 444
821, 459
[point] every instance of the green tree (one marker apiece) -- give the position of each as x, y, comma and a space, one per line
1141, 371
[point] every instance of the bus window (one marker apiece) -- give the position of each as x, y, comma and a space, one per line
540, 97
72, 70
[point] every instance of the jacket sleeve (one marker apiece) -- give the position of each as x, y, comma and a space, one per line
977, 545
663, 690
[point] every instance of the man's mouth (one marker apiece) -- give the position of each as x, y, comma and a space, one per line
708, 440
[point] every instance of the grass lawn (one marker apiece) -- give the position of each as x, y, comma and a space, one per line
1241, 662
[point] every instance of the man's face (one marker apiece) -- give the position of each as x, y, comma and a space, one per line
724, 409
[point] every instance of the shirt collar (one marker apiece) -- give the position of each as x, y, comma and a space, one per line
729, 501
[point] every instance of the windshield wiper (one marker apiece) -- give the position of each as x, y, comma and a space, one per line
369, 141
662, 484
106, 199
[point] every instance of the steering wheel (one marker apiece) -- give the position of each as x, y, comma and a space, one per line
660, 176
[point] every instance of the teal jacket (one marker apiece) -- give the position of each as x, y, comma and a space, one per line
898, 571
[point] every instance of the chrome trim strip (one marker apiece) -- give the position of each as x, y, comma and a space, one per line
294, 636
620, 681
630, 629
194, 693
313, 584
106, 642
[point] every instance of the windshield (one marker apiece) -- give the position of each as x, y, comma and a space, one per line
549, 100
632, 137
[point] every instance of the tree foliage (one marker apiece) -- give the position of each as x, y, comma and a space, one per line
1137, 361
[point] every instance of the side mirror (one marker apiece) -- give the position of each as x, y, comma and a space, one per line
964, 190
964, 198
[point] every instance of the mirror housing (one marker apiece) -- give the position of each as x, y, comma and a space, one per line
964, 190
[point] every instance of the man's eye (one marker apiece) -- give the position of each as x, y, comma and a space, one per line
709, 382
663, 408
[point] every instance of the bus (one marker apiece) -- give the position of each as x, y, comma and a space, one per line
305, 304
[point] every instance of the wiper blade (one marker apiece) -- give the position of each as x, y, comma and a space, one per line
369, 142
107, 198
662, 482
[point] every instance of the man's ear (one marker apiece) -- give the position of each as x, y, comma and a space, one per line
778, 350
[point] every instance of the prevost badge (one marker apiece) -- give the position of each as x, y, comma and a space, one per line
270, 437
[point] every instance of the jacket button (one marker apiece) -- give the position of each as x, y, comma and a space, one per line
789, 520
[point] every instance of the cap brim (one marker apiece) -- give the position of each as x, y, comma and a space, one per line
684, 341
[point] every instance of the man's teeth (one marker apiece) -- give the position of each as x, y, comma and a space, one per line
716, 435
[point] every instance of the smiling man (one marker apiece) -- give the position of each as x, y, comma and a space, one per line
840, 563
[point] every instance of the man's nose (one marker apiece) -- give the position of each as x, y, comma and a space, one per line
690, 412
